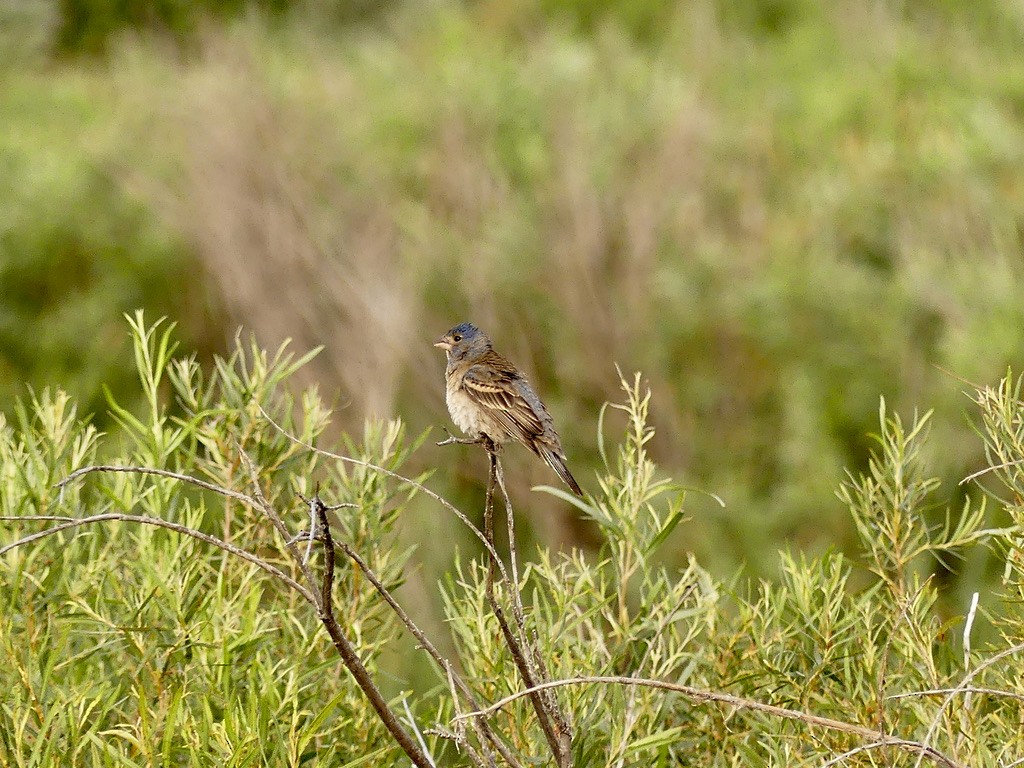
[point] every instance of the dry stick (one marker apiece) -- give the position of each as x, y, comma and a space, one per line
349, 655
498, 475
540, 673
480, 723
558, 747
159, 523
855, 751
325, 612
160, 473
740, 703
275, 519
557, 733
488, 543
510, 521
460, 741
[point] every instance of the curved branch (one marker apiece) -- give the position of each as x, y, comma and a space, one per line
159, 473
699, 694
347, 651
160, 523
431, 649
963, 690
407, 480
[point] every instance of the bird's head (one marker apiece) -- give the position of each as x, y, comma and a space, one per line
463, 340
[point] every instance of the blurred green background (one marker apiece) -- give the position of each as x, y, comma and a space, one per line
778, 210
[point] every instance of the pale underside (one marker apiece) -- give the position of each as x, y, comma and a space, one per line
469, 416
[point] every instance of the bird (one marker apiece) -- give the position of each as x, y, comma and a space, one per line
487, 396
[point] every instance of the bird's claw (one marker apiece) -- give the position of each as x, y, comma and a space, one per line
453, 440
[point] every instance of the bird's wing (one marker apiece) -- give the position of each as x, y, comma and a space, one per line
500, 389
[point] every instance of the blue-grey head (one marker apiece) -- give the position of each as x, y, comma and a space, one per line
463, 339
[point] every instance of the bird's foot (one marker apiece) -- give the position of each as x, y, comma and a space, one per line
453, 440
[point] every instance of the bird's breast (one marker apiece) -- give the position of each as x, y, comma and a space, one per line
468, 415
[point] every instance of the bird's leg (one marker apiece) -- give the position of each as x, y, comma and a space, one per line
453, 440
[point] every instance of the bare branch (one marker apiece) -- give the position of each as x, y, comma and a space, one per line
159, 473
539, 669
737, 702
855, 751
994, 468
348, 653
431, 649
557, 737
954, 691
322, 601
460, 742
275, 519
402, 478
160, 523
453, 440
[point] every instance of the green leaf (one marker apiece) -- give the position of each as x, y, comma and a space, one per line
572, 498
666, 530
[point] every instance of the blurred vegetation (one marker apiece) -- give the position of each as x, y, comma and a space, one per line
778, 210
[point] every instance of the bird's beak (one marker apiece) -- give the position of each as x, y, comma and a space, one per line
443, 343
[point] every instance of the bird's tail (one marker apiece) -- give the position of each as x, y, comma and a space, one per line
557, 462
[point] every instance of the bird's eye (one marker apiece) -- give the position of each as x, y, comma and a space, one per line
456, 337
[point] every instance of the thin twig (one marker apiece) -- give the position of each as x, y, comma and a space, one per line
488, 545
51, 518
159, 523
521, 657
312, 531
275, 519
961, 688
460, 743
517, 600
510, 522
348, 652
453, 440
415, 729
540, 671
431, 650
402, 478
159, 473
994, 468
855, 751
460, 727
322, 601
738, 702
968, 689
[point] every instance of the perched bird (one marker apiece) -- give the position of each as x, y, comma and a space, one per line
488, 396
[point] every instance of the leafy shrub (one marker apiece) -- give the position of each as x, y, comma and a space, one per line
133, 645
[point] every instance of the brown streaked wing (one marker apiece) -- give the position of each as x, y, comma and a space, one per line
496, 391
